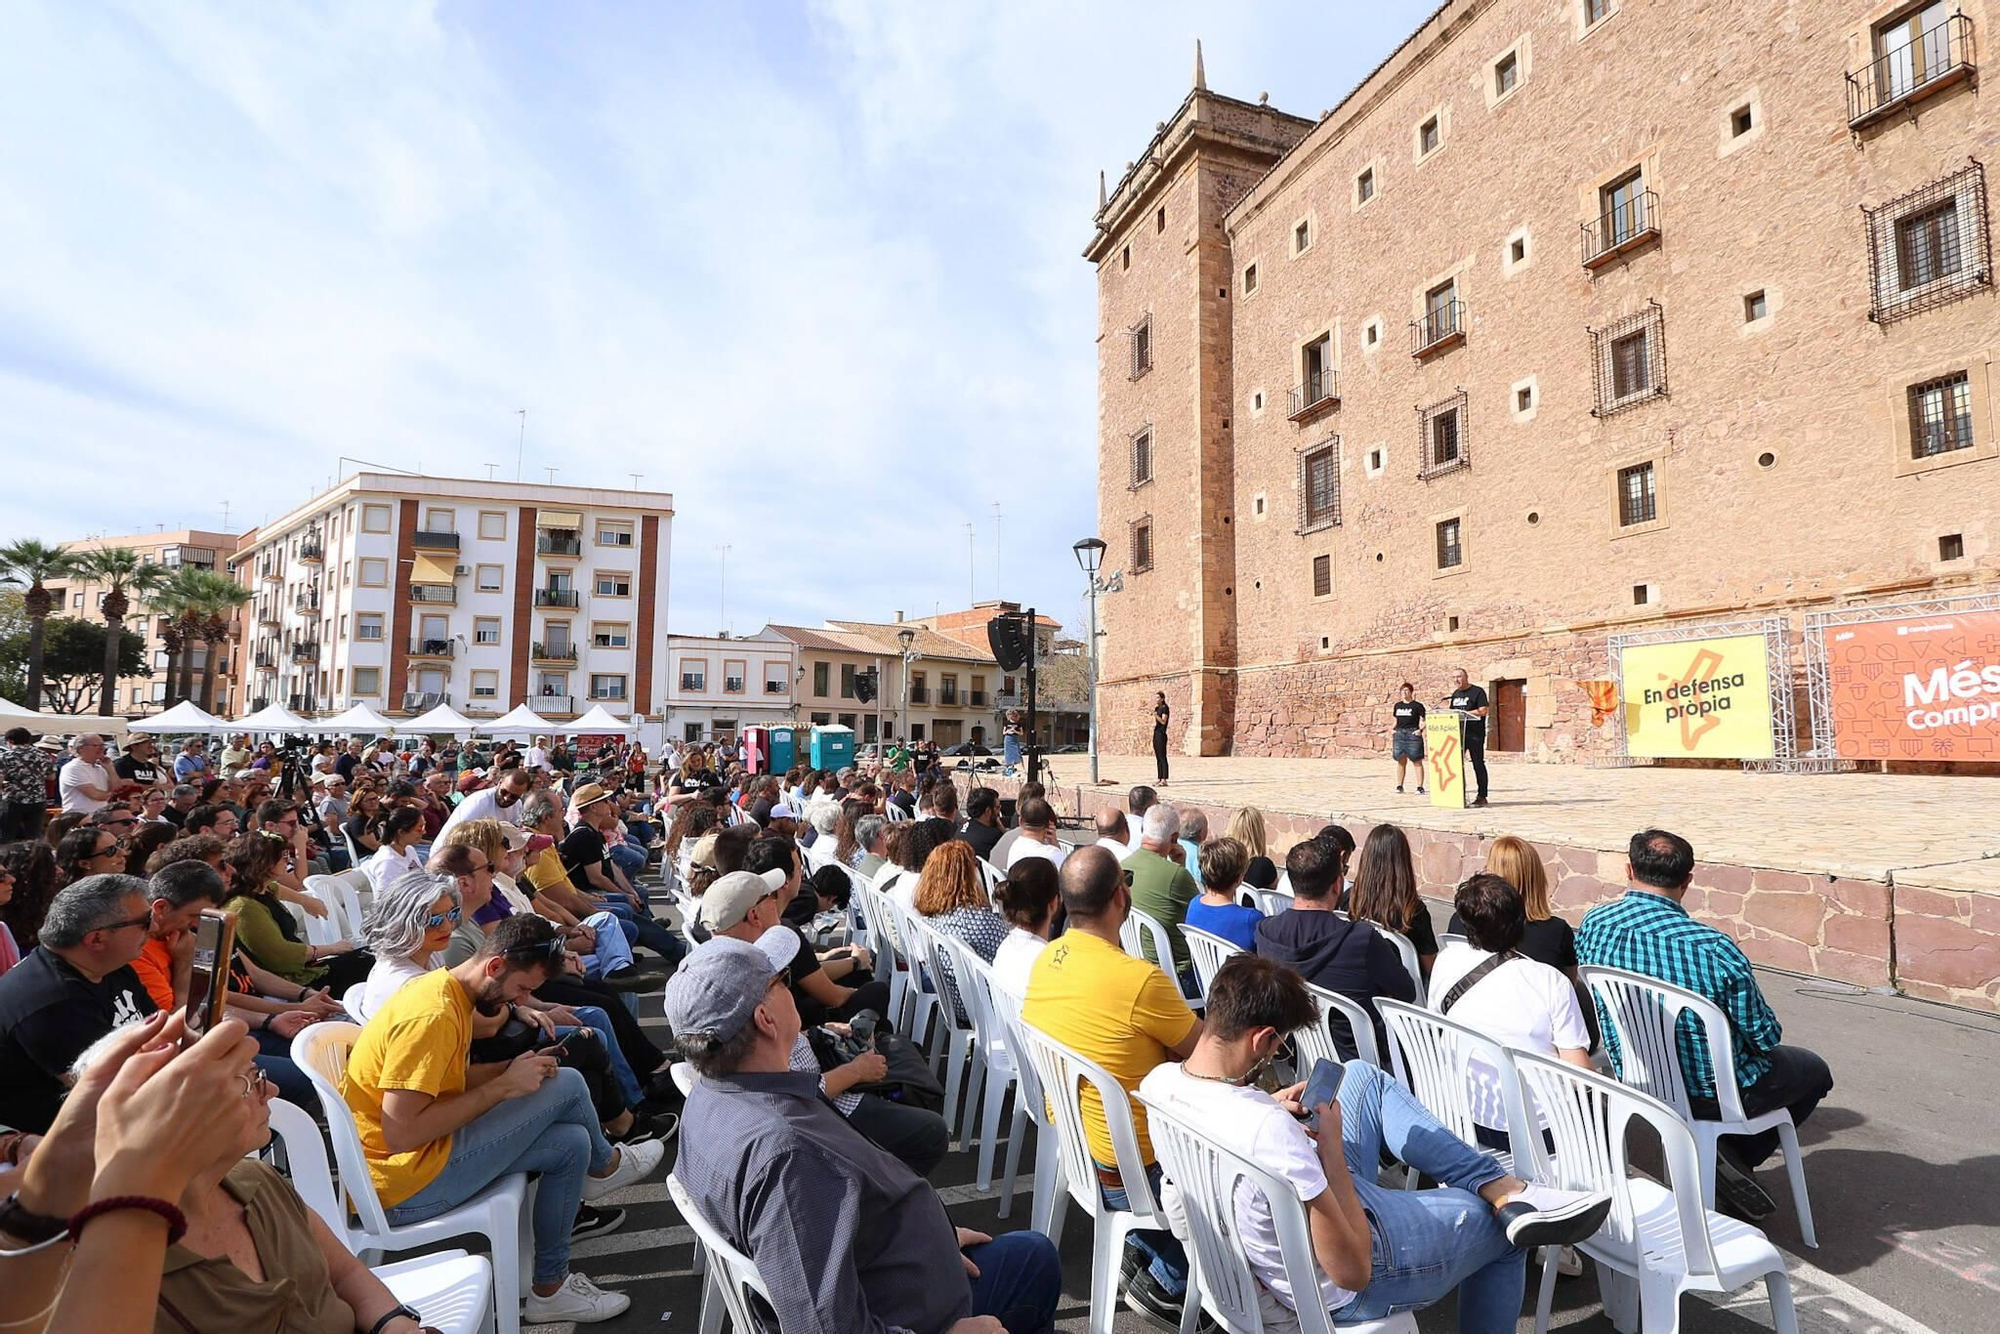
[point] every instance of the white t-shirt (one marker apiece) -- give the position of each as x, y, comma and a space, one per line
1027, 847
481, 805
902, 890
75, 776
1521, 1003
386, 865
385, 979
1119, 850
1015, 959
538, 758
1250, 1124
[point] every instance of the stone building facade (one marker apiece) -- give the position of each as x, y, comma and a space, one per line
1575, 317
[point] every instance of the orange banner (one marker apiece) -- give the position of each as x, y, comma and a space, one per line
1919, 688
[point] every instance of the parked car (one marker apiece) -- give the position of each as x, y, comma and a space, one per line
965, 750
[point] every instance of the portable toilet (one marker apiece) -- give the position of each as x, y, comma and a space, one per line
757, 749
832, 747
784, 753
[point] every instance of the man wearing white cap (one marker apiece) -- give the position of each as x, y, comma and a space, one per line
538, 756
845, 1236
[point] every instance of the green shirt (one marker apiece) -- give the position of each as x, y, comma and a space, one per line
1162, 890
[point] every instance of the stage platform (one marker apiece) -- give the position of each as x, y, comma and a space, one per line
1885, 881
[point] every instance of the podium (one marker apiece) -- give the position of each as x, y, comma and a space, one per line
1444, 758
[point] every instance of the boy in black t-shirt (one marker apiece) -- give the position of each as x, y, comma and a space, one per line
1406, 742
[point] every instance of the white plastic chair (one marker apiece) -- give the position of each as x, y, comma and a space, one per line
453, 1291
1142, 930
916, 1016
342, 897
1433, 1060
1448, 939
1271, 902
1408, 952
500, 1213
964, 1054
1644, 1014
1048, 1157
1316, 1040
1659, 1240
1063, 1074
732, 1274
1209, 953
974, 979
318, 930
1207, 1176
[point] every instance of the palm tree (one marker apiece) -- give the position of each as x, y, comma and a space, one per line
221, 597
177, 600
122, 574
30, 562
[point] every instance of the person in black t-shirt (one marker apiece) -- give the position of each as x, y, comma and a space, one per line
1470, 700
141, 763
1406, 742
982, 821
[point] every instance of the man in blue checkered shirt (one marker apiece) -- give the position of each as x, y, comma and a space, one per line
1648, 931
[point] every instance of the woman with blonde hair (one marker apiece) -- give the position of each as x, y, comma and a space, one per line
1247, 828
1548, 938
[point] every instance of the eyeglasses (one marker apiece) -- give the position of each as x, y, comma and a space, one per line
101, 853
436, 920
146, 920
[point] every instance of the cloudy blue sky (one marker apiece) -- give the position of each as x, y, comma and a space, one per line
811, 265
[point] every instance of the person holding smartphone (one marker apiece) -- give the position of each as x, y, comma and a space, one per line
1470, 1235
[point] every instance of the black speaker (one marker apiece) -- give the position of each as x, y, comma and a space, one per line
1008, 637
864, 685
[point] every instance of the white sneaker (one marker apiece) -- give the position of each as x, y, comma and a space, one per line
1546, 1216
577, 1299
635, 1163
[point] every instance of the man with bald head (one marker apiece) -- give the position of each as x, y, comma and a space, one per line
1112, 834
1127, 1016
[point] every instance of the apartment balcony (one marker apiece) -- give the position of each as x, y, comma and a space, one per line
1320, 393
266, 659
1439, 331
417, 701
947, 699
306, 599
425, 540
557, 597
433, 648
311, 548
559, 653
300, 703
270, 569
552, 704
695, 685
1937, 59
259, 702
558, 544
1619, 231
976, 700
306, 652
434, 595
267, 613
1010, 701
920, 695
774, 687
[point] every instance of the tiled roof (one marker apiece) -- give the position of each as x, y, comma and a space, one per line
928, 642
828, 641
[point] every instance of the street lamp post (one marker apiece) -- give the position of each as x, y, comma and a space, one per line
906, 638
1090, 555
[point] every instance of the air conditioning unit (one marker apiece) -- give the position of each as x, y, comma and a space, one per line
461, 570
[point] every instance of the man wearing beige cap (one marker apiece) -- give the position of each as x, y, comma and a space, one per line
844, 1235
585, 852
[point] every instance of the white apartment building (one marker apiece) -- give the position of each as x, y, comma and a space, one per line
718, 685
402, 592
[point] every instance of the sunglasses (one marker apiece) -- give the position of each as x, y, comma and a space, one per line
146, 920
551, 948
436, 920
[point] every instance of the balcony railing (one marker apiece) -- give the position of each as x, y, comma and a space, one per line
546, 704
433, 648
698, 684
555, 597
306, 652
1932, 62
270, 570
267, 613
558, 544
947, 698
441, 595
299, 703
1010, 701
774, 687
920, 695
1442, 328
306, 599
416, 701
259, 702
312, 548
266, 659
1621, 229
976, 700
552, 652
426, 540
1320, 393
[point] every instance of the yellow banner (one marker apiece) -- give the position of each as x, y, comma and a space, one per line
1706, 699
1444, 758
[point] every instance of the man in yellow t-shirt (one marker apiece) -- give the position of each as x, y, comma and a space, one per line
1124, 1014
437, 1131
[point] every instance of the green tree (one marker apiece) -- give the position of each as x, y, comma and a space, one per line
28, 564
122, 574
13, 645
220, 599
73, 661
176, 601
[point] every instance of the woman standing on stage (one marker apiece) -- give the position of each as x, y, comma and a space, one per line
1160, 716
1406, 742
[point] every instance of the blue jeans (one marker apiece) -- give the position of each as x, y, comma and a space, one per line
1164, 1254
552, 1131
599, 1022
1019, 1283
629, 857
613, 950
274, 1058
1426, 1242
647, 930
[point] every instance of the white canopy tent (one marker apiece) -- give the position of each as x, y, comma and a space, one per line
272, 719
359, 720
58, 724
184, 719
600, 721
518, 721
443, 718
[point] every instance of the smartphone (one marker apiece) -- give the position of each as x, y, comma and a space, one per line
208, 979
862, 1026
1321, 1088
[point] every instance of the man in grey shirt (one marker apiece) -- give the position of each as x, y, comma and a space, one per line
847, 1238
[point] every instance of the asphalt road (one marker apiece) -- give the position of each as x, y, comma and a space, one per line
1902, 1161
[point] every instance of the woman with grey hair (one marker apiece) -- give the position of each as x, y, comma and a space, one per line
407, 925
1194, 833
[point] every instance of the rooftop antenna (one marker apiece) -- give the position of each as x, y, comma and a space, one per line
552, 474
521, 444
489, 470
722, 585
225, 516
970, 596
635, 476
996, 549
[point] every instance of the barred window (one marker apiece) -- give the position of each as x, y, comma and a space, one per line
1941, 416
1450, 551
1929, 247
1142, 457
1629, 366
1638, 499
1142, 544
1319, 487
1322, 576
1142, 347
1442, 444
1631, 361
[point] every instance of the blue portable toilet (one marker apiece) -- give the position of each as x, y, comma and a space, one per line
832, 747
784, 753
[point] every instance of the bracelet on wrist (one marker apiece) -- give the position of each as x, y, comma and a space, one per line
176, 1220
